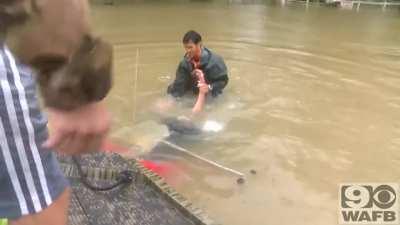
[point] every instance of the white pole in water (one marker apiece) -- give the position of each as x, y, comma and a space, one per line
203, 159
135, 81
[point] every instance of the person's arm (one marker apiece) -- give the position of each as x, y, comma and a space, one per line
81, 130
218, 85
217, 74
203, 90
178, 87
200, 101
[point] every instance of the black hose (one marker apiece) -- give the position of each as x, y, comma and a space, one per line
123, 178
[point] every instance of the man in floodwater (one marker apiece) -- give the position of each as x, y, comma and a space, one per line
201, 72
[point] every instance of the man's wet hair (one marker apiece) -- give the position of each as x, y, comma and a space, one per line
191, 36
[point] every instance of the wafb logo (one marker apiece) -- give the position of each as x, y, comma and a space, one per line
368, 203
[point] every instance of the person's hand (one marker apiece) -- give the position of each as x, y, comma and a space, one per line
200, 75
201, 84
78, 131
203, 88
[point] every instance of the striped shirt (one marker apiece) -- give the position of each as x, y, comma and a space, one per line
30, 178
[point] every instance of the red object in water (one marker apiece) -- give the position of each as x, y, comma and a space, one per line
163, 169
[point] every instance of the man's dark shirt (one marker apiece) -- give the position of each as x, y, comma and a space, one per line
215, 74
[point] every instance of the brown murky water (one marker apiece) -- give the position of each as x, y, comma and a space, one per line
313, 100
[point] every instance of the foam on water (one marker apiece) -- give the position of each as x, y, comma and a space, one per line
212, 126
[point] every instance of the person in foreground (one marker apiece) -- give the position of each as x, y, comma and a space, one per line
201, 72
73, 72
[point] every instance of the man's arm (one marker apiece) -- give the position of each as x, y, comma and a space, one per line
217, 74
218, 85
178, 87
80, 130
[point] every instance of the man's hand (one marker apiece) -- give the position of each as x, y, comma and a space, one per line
78, 131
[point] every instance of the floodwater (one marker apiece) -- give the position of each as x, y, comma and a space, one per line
313, 101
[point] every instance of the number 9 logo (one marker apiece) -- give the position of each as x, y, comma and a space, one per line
356, 196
